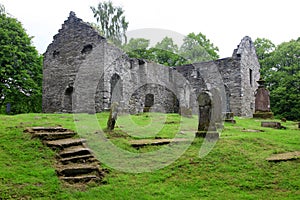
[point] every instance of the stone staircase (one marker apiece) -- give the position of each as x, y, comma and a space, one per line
75, 162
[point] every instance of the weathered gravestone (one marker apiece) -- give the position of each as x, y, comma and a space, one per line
113, 115
216, 115
262, 102
229, 117
8, 108
228, 114
207, 123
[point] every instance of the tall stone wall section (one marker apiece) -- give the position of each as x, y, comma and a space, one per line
70, 50
249, 74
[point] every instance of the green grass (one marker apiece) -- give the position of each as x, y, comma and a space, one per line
234, 169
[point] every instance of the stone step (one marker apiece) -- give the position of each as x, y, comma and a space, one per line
44, 129
54, 135
63, 143
144, 142
74, 151
78, 169
78, 159
81, 179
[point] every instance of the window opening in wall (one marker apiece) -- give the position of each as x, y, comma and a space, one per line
250, 77
69, 90
149, 102
67, 101
87, 49
55, 54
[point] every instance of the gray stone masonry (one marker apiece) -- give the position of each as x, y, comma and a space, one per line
84, 73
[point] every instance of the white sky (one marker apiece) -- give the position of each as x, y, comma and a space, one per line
224, 22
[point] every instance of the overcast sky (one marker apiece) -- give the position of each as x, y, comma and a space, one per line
224, 22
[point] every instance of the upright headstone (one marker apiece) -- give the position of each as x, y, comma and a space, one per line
216, 115
8, 108
113, 115
262, 102
206, 124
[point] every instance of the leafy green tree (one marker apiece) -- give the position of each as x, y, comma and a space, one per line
2, 9
138, 48
284, 80
167, 44
281, 69
166, 58
113, 24
264, 50
163, 52
136, 44
197, 48
20, 68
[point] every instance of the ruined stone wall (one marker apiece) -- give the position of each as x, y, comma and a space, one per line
84, 73
68, 51
230, 70
249, 74
235, 78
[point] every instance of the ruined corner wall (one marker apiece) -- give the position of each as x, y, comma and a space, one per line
62, 60
249, 74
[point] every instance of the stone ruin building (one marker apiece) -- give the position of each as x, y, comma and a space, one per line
84, 73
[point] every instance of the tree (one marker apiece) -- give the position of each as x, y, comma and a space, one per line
197, 48
2, 9
20, 68
281, 69
264, 50
167, 44
113, 24
163, 53
284, 80
136, 44
166, 58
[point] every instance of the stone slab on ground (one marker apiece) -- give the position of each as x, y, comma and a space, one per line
145, 142
252, 130
284, 156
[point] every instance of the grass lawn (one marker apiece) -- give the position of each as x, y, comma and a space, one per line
234, 169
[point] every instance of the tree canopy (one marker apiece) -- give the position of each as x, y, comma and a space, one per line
164, 52
197, 48
167, 44
20, 68
280, 67
113, 24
